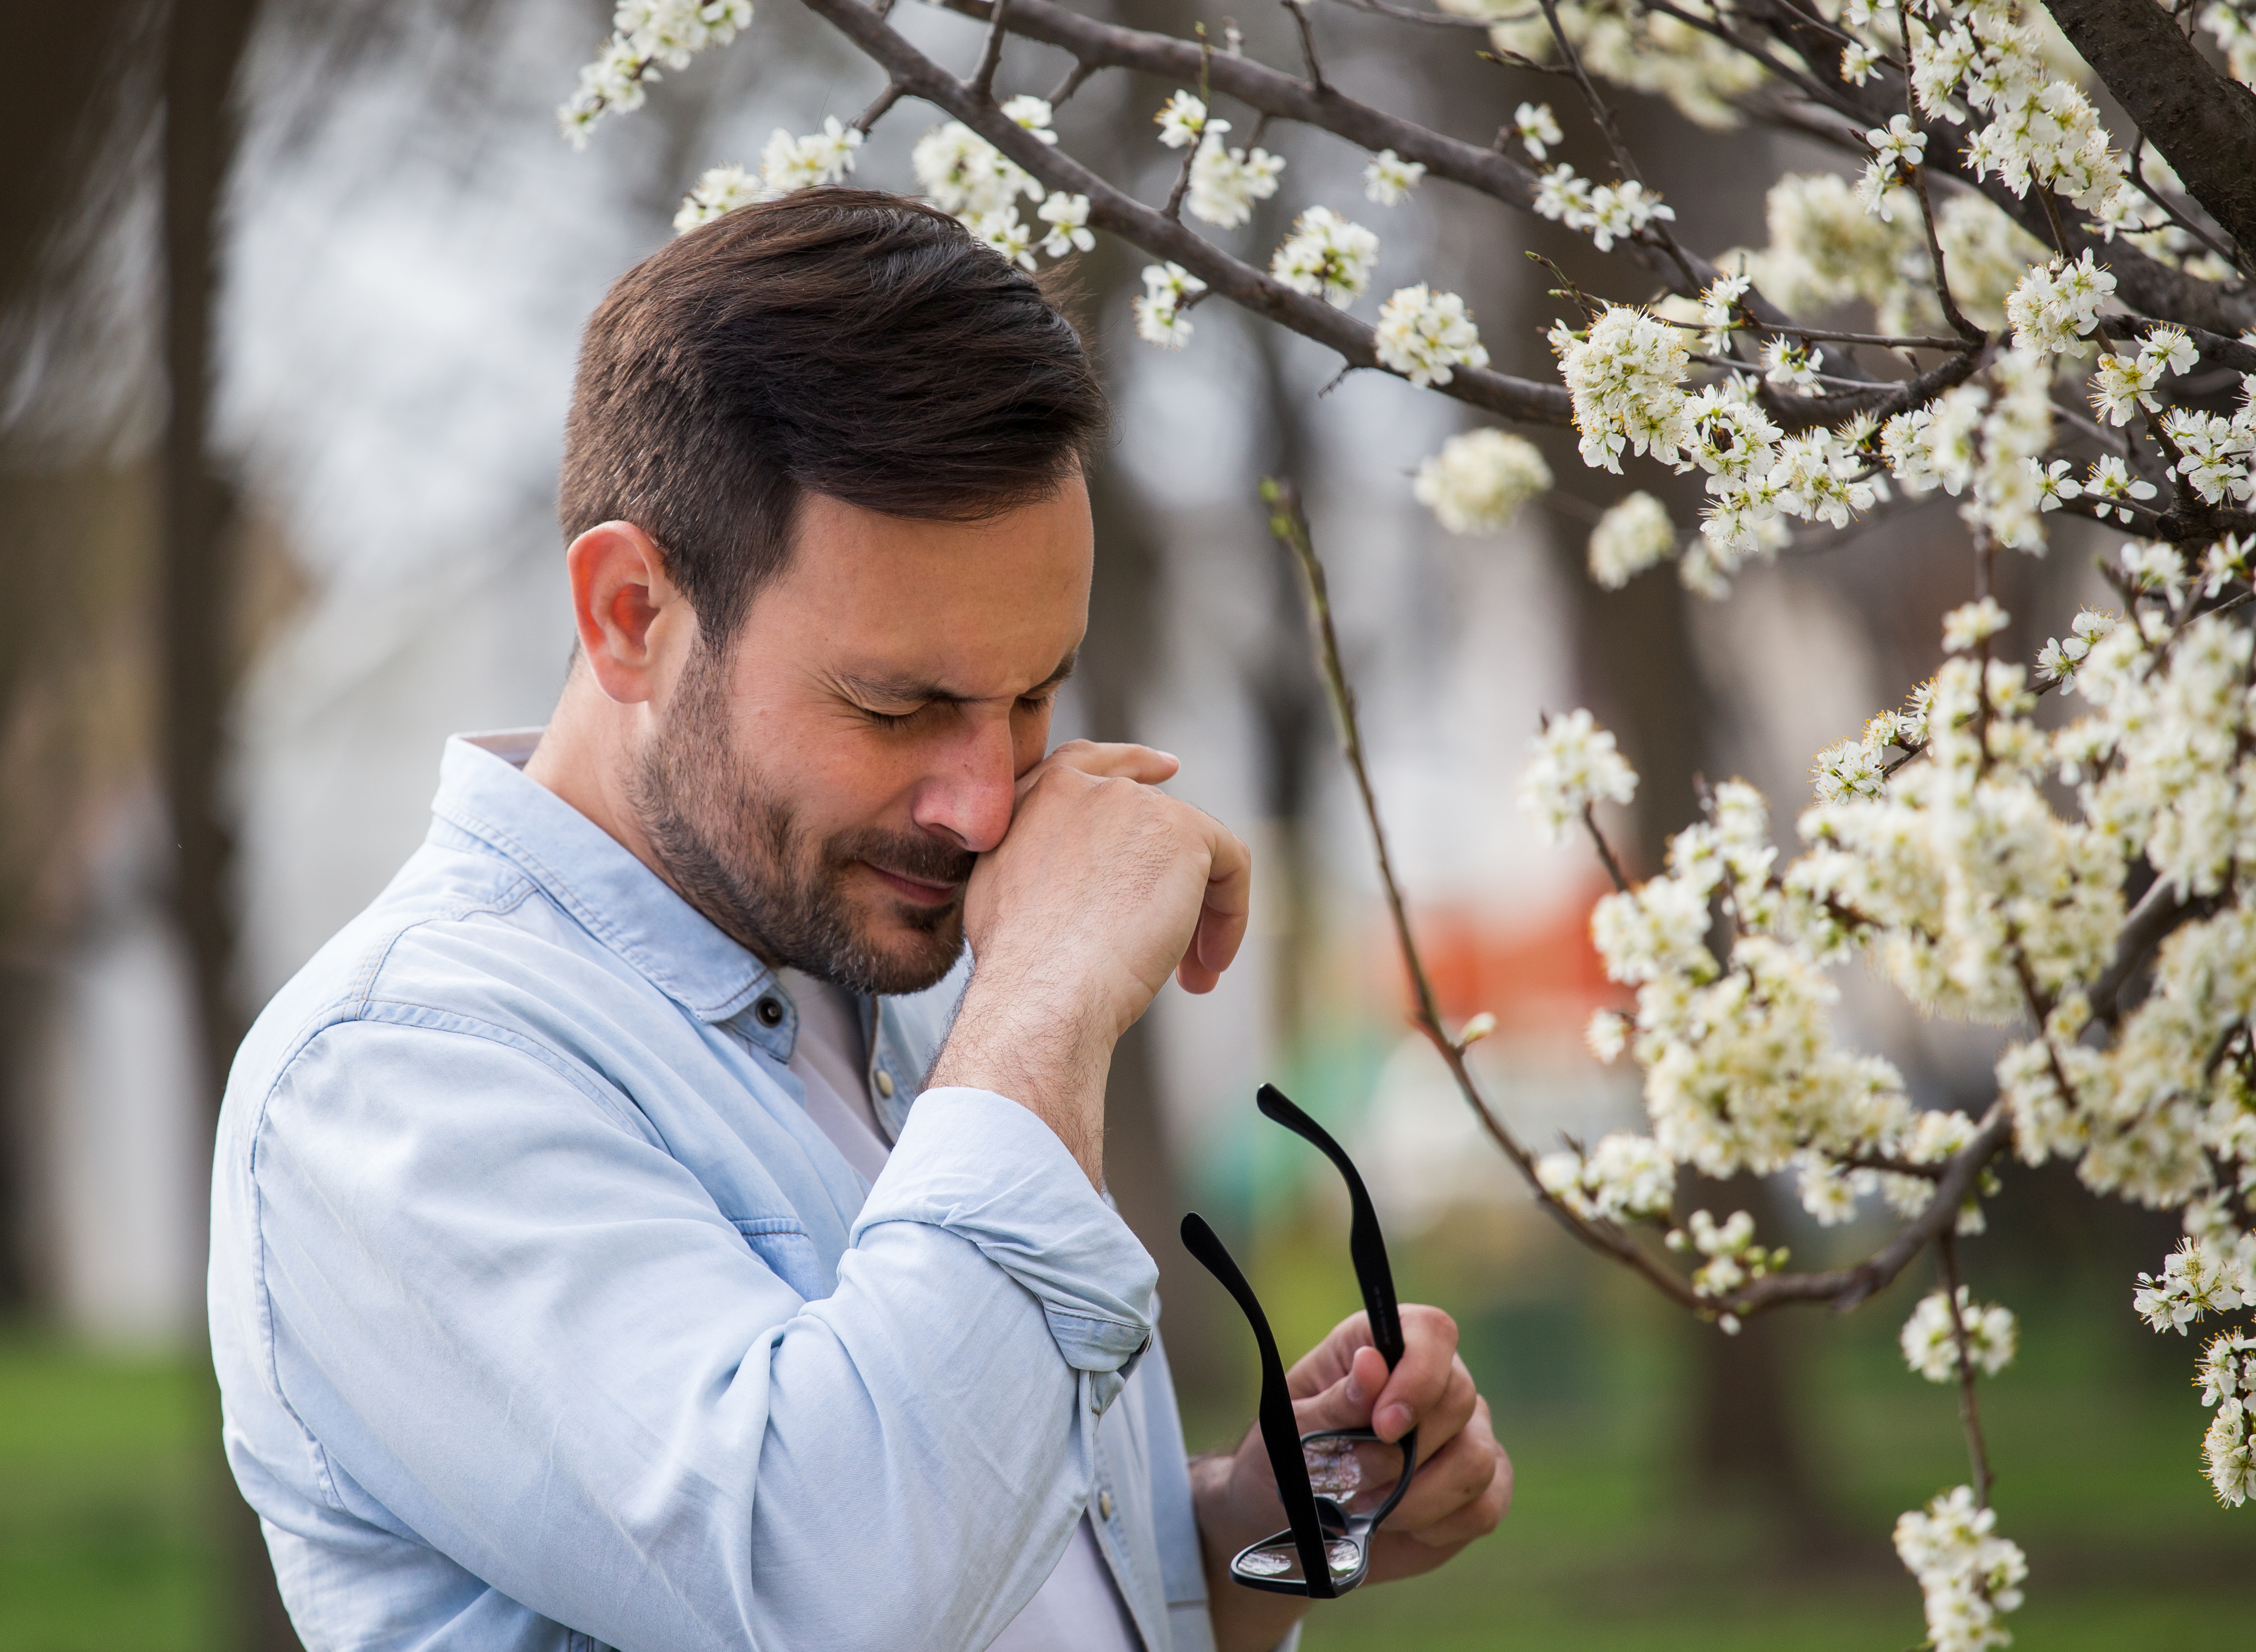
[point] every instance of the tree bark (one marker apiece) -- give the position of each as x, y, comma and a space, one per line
2204, 122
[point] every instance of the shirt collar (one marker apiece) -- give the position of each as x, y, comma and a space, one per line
483, 791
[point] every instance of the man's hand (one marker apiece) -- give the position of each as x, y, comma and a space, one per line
1460, 1492
1101, 888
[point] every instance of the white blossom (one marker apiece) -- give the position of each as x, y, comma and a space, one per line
2197, 1279
1971, 624
721, 189
1032, 113
645, 34
1930, 1347
2109, 479
2056, 304
1226, 182
1625, 1178
1389, 178
1425, 335
1159, 310
1479, 479
827, 157
1183, 120
1968, 1576
1575, 765
963, 174
1791, 366
1632, 536
1068, 217
1732, 1256
1326, 257
1624, 375
1003, 230
1606, 212
1719, 311
1538, 128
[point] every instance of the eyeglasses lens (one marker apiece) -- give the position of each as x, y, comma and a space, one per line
1358, 1475
1281, 1559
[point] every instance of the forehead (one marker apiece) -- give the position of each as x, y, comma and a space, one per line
970, 607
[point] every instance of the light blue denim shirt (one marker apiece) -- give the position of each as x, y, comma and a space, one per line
544, 1317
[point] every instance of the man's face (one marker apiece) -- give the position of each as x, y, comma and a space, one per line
820, 788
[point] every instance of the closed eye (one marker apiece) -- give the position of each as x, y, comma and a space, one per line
893, 719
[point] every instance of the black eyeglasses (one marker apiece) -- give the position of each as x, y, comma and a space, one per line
1334, 1483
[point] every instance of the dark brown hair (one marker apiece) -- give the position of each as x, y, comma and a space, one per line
840, 342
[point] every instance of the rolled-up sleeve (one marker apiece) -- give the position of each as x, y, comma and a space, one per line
511, 1323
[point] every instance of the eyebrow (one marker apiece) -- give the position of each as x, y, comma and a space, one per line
920, 691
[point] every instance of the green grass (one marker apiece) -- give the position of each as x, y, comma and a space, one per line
107, 1509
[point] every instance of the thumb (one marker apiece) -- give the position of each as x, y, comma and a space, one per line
1347, 1403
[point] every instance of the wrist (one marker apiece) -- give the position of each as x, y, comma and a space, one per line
1051, 1058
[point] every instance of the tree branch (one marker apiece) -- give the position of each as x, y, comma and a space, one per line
1282, 96
1111, 209
1843, 1288
2203, 123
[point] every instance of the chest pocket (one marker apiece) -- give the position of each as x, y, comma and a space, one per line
785, 1245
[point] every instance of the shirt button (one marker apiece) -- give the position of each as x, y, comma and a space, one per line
885, 1083
770, 1012
1104, 1505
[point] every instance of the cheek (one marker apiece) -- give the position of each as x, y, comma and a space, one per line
1029, 737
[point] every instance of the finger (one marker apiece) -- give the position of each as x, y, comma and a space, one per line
1223, 917
1101, 761
1424, 1376
1330, 1360
1117, 760
1345, 1403
1477, 1519
1454, 1479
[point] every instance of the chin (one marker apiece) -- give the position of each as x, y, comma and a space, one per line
913, 947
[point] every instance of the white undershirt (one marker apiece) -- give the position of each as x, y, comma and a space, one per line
1080, 1608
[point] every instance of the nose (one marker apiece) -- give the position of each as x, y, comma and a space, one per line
969, 796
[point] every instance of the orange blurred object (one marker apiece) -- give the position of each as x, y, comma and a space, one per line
1531, 972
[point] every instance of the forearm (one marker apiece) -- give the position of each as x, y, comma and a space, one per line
1049, 1055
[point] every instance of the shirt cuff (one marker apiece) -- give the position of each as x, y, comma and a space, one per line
993, 1173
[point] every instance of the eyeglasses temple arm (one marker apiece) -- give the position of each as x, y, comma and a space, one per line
1364, 1242
1281, 1430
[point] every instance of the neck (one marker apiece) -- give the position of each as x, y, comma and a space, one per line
587, 756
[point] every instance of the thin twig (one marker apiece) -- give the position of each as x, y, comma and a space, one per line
1969, 1414
879, 106
1434, 19
1075, 79
991, 57
1605, 851
1599, 112
1301, 21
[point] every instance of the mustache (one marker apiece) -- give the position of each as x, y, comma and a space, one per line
909, 854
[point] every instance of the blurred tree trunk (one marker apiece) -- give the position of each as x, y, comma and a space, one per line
197, 624
1116, 661
1293, 722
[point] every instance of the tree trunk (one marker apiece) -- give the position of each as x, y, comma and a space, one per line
196, 617
2204, 122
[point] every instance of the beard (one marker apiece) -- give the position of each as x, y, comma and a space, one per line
733, 848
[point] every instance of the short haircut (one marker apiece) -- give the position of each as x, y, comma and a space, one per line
839, 342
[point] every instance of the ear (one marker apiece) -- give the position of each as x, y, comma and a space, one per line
635, 625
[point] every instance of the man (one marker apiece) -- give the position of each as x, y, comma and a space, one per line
581, 1272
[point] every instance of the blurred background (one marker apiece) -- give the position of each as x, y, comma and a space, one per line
289, 297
